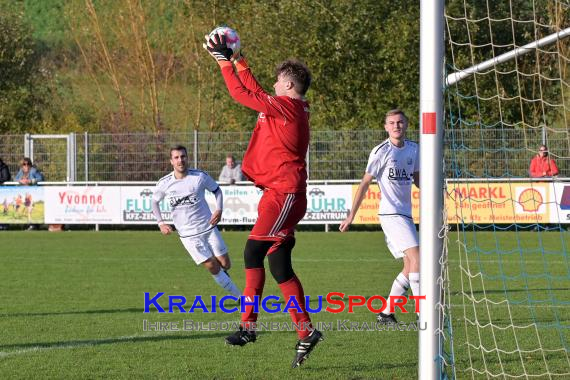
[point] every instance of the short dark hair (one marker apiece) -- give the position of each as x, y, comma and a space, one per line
298, 72
178, 147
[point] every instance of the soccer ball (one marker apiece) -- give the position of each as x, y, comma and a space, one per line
232, 38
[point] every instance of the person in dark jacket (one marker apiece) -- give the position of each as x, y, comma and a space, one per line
4, 177
4, 172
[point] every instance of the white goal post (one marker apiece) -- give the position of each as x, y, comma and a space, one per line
431, 183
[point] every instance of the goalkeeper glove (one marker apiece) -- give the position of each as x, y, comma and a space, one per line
217, 48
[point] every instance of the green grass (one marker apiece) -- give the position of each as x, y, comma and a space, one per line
71, 306
516, 288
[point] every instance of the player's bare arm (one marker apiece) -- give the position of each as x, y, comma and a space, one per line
165, 229
216, 217
358, 197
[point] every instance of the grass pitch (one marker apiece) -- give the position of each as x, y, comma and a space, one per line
71, 306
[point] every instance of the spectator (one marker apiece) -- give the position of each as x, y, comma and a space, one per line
28, 175
542, 165
231, 172
4, 177
4, 172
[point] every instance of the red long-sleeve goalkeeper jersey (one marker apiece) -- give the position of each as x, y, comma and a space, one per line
275, 156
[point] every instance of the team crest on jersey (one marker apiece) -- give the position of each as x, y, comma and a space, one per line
410, 160
190, 200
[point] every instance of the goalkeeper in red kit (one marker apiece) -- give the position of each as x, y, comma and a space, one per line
275, 162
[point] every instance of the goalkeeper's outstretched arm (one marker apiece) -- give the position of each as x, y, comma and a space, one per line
243, 88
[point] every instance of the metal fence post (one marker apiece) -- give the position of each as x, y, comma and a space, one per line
72, 157
27, 146
86, 153
68, 158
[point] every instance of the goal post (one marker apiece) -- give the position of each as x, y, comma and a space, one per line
431, 184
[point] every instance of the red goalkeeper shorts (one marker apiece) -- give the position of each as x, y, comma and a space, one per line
278, 214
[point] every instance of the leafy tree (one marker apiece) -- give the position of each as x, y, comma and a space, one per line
23, 99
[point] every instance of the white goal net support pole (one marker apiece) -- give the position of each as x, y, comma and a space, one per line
431, 184
548, 40
456, 77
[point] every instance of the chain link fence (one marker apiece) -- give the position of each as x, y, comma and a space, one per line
333, 155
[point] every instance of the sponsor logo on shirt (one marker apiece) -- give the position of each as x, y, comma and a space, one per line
395, 174
190, 200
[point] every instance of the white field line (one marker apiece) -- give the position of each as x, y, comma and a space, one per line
86, 343
112, 340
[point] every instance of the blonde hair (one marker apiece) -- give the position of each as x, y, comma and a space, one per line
395, 111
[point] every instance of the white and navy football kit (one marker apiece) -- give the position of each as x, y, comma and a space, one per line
394, 170
190, 212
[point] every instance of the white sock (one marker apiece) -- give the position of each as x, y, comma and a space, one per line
399, 287
415, 283
226, 282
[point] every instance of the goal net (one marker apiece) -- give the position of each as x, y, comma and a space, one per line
506, 272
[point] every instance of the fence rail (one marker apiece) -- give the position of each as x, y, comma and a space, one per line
333, 155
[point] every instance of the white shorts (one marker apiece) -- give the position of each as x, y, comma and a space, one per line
204, 246
400, 234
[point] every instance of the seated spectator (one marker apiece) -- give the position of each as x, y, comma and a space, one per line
28, 174
542, 165
231, 172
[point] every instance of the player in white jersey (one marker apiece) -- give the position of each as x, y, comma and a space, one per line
185, 191
395, 165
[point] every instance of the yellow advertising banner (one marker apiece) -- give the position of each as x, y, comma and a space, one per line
476, 202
